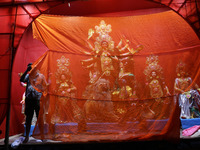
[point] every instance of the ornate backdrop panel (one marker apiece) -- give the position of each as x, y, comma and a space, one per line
113, 78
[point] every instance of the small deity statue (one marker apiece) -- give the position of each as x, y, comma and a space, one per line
155, 80
188, 97
65, 92
155, 85
65, 86
125, 92
127, 82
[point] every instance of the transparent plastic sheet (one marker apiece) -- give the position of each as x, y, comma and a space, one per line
138, 122
98, 83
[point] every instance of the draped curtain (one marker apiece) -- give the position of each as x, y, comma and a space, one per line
112, 78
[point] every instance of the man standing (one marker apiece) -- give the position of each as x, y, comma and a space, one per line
32, 101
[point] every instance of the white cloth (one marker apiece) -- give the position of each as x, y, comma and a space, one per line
185, 106
17, 142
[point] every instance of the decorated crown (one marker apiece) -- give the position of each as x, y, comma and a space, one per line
63, 69
152, 62
152, 59
63, 62
180, 67
103, 31
103, 28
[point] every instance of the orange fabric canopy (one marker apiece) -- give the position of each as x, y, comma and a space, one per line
113, 77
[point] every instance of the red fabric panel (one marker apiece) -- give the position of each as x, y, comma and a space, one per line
7, 22
4, 87
4, 72
28, 51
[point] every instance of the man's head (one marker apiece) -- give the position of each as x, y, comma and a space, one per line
29, 64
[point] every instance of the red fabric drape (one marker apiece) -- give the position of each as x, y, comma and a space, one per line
28, 51
112, 77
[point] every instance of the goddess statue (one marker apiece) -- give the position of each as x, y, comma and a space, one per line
104, 70
189, 99
65, 93
125, 93
105, 56
156, 87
